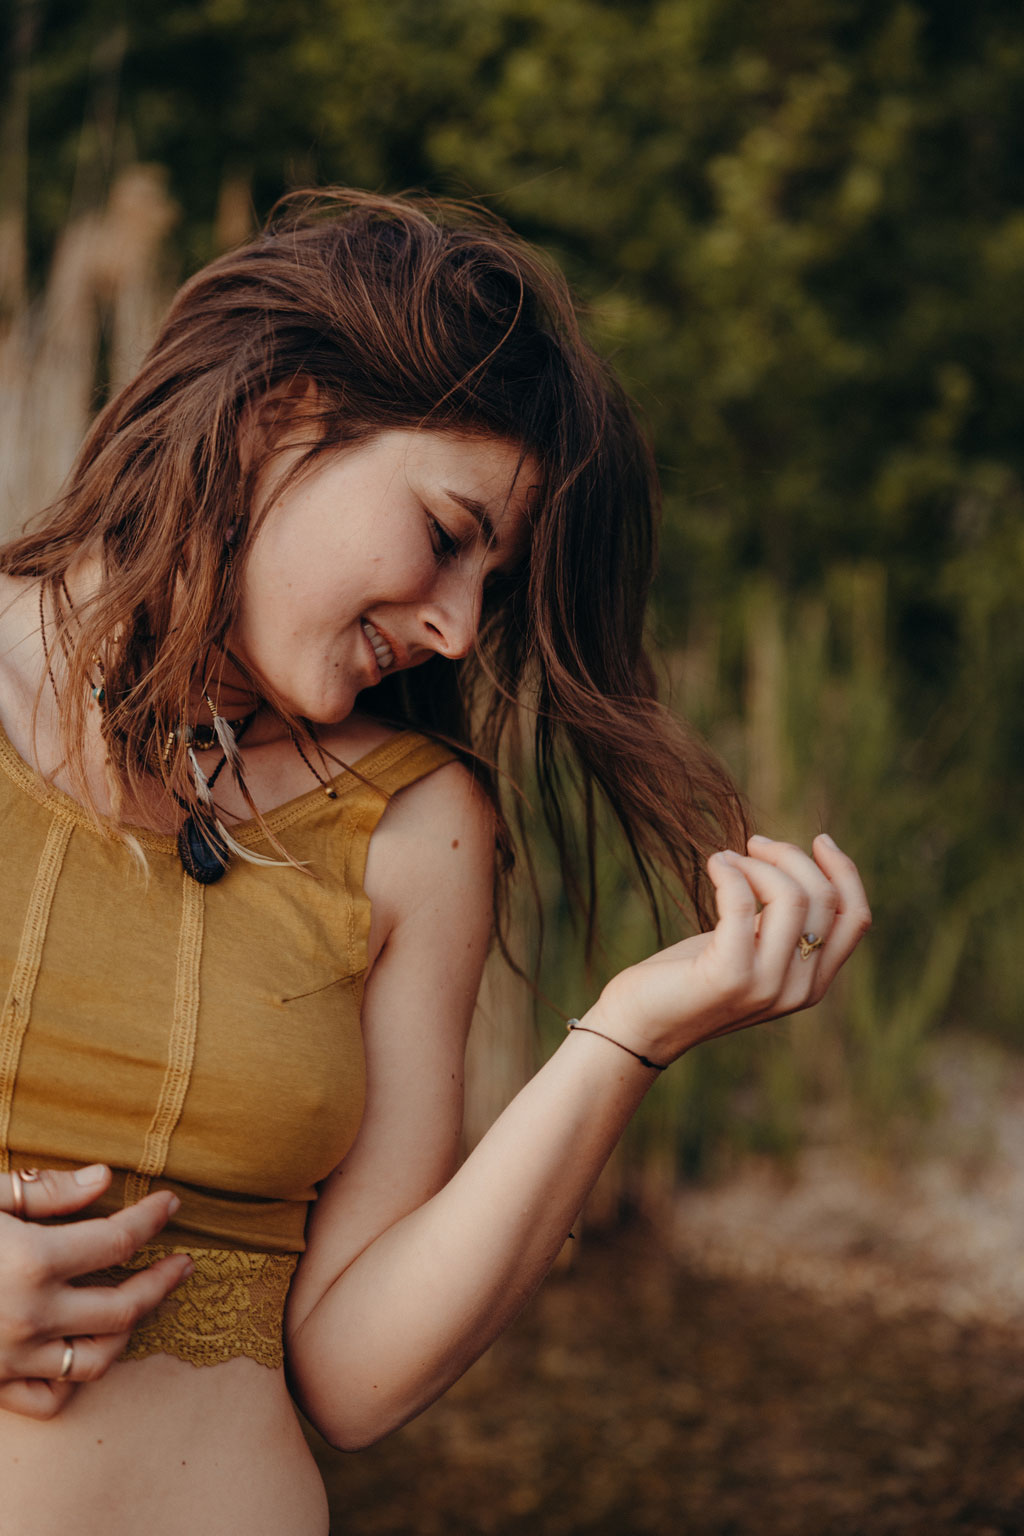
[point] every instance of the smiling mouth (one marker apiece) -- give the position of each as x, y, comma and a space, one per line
381, 649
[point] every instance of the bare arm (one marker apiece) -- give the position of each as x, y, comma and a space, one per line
407, 1280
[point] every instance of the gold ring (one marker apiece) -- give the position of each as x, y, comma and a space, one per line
67, 1361
807, 943
19, 1178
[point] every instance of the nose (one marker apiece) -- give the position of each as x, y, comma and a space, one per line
452, 617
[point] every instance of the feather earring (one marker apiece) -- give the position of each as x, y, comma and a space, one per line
201, 850
226, 738
205, 846
204, 789
240, 851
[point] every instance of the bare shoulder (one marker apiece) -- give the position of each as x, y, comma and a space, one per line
431, 858
443, 820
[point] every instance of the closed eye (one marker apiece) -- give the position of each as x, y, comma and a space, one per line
446, 545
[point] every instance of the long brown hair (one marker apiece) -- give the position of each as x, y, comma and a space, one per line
399, 312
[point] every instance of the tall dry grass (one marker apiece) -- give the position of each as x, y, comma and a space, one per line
62, 351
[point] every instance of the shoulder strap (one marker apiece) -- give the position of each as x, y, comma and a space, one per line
401, 761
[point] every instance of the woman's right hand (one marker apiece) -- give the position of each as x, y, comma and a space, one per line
41, 1311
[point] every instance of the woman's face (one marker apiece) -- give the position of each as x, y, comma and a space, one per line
376, 560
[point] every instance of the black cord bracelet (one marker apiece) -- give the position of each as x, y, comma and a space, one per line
656, 1066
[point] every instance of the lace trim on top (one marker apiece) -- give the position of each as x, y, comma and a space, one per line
232, 1304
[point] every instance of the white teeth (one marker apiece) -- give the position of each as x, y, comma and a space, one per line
383, 652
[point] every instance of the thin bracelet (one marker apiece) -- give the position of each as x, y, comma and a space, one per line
657, 1066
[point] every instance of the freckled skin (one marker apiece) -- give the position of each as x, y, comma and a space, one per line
373, 533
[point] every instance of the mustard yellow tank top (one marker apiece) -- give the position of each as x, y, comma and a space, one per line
199, 1038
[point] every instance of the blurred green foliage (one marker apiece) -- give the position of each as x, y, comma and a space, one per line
799, 229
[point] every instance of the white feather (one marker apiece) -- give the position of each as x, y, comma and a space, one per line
240, 851
202, 783
228, 743
233, 758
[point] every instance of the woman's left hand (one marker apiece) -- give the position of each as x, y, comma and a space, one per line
787, 923
484, 1240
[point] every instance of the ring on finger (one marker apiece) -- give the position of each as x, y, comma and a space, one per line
67, 1361
19, 1178
807, 943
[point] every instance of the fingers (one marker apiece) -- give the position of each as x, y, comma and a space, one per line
87, 1328
90, 1358
94, 1312
737, 905
821, 900
56, 1335
829, 891
759, 944
111, 1240
36, 1399
52, 1191
853, 914
784, 904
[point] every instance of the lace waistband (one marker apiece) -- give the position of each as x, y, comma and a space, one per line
232, 1304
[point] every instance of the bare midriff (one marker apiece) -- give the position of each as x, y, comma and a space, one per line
162, 1447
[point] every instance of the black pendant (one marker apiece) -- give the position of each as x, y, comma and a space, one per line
202, 850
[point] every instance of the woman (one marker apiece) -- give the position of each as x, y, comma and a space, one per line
369, 494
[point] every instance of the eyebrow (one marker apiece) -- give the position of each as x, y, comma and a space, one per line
476, 510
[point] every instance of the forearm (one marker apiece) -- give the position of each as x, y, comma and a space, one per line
426, 1298
379, 1336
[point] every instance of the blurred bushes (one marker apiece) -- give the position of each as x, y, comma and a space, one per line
799, 229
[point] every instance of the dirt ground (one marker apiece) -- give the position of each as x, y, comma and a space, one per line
638, 1397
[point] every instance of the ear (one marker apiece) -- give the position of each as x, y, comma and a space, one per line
284, 417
